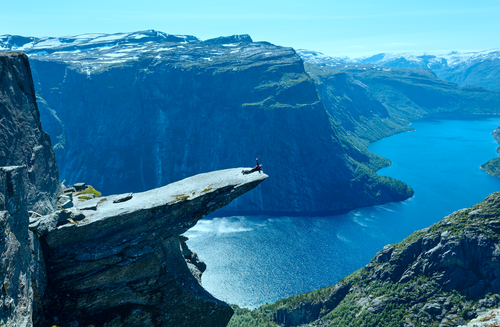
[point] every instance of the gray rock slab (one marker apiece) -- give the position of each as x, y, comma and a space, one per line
115, 257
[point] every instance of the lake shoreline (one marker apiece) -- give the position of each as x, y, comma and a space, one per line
254, 260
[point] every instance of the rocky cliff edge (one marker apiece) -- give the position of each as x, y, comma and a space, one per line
116, 260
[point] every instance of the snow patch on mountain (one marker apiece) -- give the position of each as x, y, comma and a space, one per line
410, 59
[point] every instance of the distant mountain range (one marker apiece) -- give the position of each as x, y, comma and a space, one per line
480, 68
132, 111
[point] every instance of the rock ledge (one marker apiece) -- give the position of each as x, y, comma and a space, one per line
120, 262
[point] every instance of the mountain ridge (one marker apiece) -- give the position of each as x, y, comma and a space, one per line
479, 68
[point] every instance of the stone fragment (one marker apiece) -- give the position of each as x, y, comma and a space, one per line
64, 202
69, 190
79, 186
123, 198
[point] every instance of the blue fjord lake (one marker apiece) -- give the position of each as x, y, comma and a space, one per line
254, 260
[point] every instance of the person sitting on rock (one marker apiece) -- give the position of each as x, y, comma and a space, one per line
258, 168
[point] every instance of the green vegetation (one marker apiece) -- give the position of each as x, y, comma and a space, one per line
363, 117
492, 167
89, 190
247, 318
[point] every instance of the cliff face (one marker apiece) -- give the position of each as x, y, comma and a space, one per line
178, 109
29, 181
22, 267
116, 260
22, 140
443, 275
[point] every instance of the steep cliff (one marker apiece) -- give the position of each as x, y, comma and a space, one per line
29, 182
22, 140
22, 267
117, 261
131, 116
444, 275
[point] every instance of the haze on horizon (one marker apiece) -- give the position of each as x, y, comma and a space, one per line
336, 28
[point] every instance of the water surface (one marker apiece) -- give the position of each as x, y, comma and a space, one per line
258, 259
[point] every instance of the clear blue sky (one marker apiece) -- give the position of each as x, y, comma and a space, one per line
336, 28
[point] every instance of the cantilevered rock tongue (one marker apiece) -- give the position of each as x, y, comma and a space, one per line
116, 260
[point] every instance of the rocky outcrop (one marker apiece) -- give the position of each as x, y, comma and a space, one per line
29, 185
22, 140
117, 260
490, 318
444, 275
22, 267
